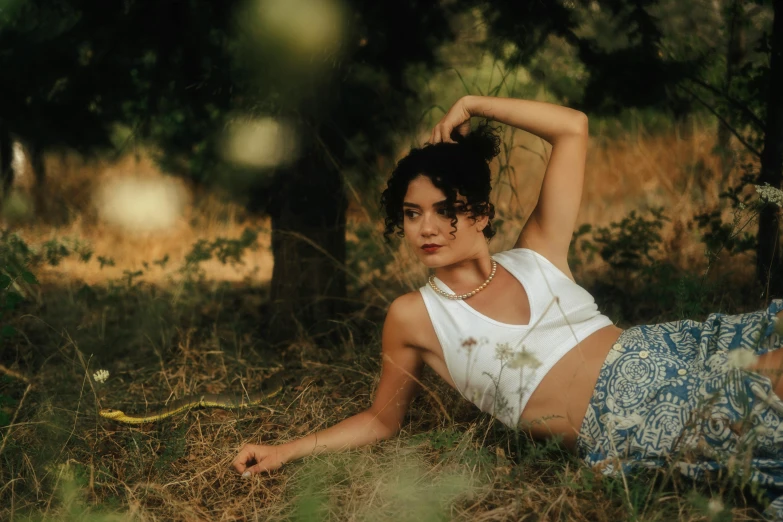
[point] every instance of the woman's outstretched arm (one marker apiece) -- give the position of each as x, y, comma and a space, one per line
399, 374
552, 222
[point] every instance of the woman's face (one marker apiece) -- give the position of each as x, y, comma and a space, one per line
428, 229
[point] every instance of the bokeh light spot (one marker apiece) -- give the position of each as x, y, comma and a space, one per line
305, 27
261, 143
140, 205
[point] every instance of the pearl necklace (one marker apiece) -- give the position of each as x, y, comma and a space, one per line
469, 294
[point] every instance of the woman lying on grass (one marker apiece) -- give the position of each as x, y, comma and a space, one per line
520, 339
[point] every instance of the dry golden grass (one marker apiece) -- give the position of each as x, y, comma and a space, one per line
72, 192
69, 464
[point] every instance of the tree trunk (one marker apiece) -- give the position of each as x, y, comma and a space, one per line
308, 212
736, 50
769, 269
6, 161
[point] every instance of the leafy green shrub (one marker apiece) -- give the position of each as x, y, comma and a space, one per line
719, 236
225, 250
627, 245
639, 284
16, 279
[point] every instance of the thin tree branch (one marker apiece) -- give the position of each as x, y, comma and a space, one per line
14, 374
723, 121
738, 104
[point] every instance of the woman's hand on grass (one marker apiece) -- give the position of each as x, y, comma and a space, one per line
255, 458
456, 121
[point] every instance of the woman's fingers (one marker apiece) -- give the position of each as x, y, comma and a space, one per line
445, 133
464, 128
450, 124
245, 455
435, 138
441, 133
267, 465
253, 459
455, 121
252, 470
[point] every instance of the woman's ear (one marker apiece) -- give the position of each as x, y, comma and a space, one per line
481, 223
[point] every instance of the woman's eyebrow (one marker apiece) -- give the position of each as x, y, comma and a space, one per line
436, 204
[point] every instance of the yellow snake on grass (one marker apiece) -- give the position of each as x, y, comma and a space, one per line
205, 400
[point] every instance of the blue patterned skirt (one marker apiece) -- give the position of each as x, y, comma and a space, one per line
678, 395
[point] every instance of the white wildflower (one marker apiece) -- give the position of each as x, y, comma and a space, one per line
741, 206
770, 194
100, 376
503, 352
741, 358
524, 359
714, 506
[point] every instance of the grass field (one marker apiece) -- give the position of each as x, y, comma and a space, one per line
163, 333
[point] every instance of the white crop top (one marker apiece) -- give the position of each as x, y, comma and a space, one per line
498, 366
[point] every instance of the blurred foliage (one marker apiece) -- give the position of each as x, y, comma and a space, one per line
611, 55
64, 82
674, 58
16, 260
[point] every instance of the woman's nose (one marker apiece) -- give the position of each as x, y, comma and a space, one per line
428, 225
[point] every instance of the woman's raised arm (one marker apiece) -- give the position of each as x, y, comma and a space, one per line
400, 371
552, 222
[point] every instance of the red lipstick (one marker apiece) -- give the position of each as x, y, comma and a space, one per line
430, 248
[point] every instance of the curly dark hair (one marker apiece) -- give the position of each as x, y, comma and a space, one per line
455, 168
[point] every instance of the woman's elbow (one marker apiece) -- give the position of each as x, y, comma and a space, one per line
387, 430
580, 124
384, 428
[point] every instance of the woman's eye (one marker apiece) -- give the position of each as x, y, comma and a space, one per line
409, 214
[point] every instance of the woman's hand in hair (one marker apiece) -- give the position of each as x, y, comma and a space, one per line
456, 121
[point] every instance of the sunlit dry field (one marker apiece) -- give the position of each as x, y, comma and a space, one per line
632, 173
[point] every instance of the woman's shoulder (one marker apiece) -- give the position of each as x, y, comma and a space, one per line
408, 308
409, 318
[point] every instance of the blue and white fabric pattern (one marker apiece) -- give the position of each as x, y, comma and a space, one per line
680, 394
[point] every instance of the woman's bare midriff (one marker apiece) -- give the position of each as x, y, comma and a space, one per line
559, 403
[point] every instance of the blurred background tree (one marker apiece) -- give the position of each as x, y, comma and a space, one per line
192, 78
